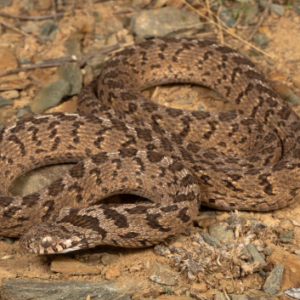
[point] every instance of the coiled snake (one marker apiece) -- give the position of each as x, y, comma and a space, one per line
126, 144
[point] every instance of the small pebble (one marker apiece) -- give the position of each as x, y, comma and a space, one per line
112, 273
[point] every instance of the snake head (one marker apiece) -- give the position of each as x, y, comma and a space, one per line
50, 238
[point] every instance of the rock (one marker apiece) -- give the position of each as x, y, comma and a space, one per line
164, 21
163, 275
268, 251
287, 94
296, 80
72, 74
293, 99
4, 102
251, 12
7, 114
260, 295
66, 265
261, 40
50, 95
221, 232
291, 263
277, 9
171, 297
293, 292
255, 254
227, 17
8, 60
286, 237
200, 287
239, 297
161, 250
273, 282
211, 240
24, 111
7, 240
220, 296
37, 5
4, 3
26, 289
112, 273
73, 47
48, 30
12, 94
13, 82
140, 3
108, 259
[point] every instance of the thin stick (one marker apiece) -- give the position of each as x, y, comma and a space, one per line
107, 50
227, 31
263, 15
32, 18
14, 28
220, 24
55, 9
293, 61
42, 64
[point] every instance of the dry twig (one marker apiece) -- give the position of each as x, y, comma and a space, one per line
14, 28
264, 14
50, 63
226, 30
107, 50
32, 18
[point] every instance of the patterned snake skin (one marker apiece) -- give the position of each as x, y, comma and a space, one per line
126, 144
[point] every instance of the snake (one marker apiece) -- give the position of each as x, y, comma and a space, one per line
175, 160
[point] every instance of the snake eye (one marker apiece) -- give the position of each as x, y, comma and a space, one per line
46, 241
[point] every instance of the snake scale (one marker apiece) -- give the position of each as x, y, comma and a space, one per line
123, 143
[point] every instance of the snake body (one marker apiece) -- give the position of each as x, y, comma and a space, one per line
124, 143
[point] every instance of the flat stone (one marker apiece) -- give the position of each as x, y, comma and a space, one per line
72, 74
293, 292
12, 94
227, 17
26, 289
260, 295
255, 254
211, 240
73, 47
296, 80
286, 237
108, 259
8, 60
13, 82
221, 232
239, 297
220, 296
163, 21
48, 30
261, 40
50, 95
66, 265
291, 263
112, 273
277, 9
163, 275
273, 282
4, 102
4, 3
